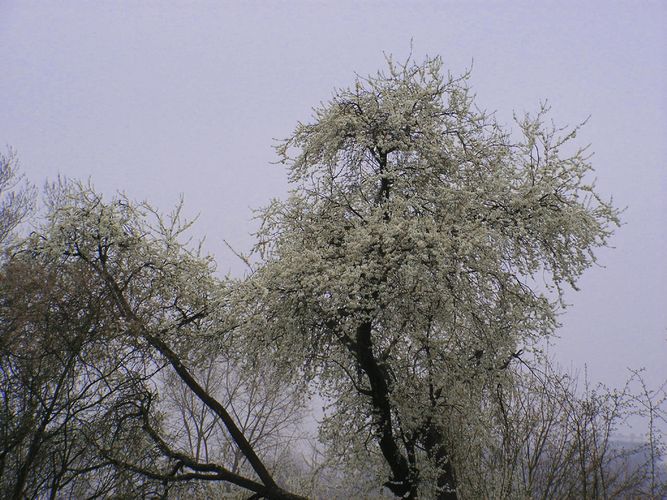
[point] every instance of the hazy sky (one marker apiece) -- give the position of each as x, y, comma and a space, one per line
163, 98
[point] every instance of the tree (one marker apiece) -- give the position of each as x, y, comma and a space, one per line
114, 298
555, 439
404, 272
60, 364
15, 203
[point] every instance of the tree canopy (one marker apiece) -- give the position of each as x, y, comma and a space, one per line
408, 279
413, 261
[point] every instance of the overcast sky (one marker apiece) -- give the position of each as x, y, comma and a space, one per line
163, 98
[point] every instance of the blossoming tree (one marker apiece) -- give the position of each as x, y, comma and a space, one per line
422, 247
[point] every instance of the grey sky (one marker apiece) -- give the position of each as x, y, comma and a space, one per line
162, 98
